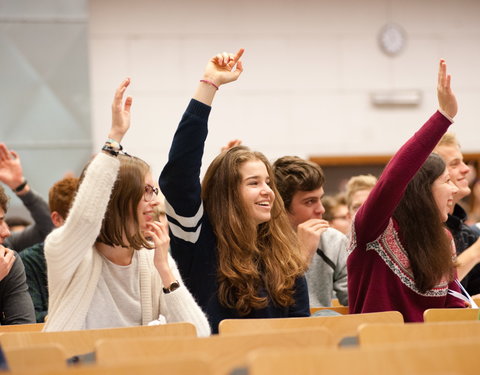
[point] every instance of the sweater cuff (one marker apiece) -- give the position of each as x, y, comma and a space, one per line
446, 116
198, 109
107, 159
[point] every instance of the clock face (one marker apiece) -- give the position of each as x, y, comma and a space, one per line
392, 39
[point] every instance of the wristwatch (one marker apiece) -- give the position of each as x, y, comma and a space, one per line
173, 286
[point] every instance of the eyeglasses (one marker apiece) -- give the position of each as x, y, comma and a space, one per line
149, 193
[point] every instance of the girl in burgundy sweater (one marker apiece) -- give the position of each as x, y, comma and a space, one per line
401, 257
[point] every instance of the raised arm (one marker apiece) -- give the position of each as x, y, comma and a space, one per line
372, 218
11, 174
66, 246
180, 178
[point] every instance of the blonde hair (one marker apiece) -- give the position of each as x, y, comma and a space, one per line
357, 183
448, 139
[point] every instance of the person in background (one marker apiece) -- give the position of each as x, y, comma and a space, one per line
60, 198
357, 190
17, 223
467, 241
336, 212
300, 183
473, 216
16, 306
11, 174
401, 256
230, 235
108, 264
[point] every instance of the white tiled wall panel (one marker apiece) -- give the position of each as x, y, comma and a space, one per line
310, 67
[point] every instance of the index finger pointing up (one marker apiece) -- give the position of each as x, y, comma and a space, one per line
238, 55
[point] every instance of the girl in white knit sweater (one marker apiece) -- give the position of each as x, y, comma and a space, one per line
108, 265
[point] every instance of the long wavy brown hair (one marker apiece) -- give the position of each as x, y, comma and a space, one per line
426, 241
251, 258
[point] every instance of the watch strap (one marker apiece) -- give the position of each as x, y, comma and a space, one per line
173, 286
20, 187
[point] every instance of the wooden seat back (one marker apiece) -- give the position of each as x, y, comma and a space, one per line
379, 334
181, 364
81, 342
225, 352
448, 315
446, 357
34, 327
340, 326
39, 358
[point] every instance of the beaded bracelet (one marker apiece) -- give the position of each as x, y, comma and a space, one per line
110, 150
112, 147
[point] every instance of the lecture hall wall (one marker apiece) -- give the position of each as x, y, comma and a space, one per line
310, 68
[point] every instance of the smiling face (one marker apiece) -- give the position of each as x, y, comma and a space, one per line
146, 210
457, 169
306, 205
255, 190
443, 191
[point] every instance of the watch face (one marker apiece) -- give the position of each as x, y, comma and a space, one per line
392, 39
174, 286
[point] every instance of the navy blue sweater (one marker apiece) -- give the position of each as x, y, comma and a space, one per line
193, 242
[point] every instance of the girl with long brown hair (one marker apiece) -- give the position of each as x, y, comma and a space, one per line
230, 235
108, 265
401, 255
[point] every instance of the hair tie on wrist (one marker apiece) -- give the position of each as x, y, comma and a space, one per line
209, 83
20, 187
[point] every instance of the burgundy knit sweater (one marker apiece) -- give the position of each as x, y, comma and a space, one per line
379, 273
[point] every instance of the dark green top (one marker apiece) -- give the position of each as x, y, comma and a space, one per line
36, 271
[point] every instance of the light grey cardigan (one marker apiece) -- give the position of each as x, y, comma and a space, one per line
74, 265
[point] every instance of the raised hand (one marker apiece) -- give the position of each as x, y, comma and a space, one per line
224, 68
232, 143
120, 112
446, 98
11, 172
308, 234
157, 232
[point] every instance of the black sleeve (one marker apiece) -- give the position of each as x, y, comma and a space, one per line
15, 301
36, 232
301, 307
36, 272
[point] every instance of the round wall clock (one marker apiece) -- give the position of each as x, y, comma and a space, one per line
392, 39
